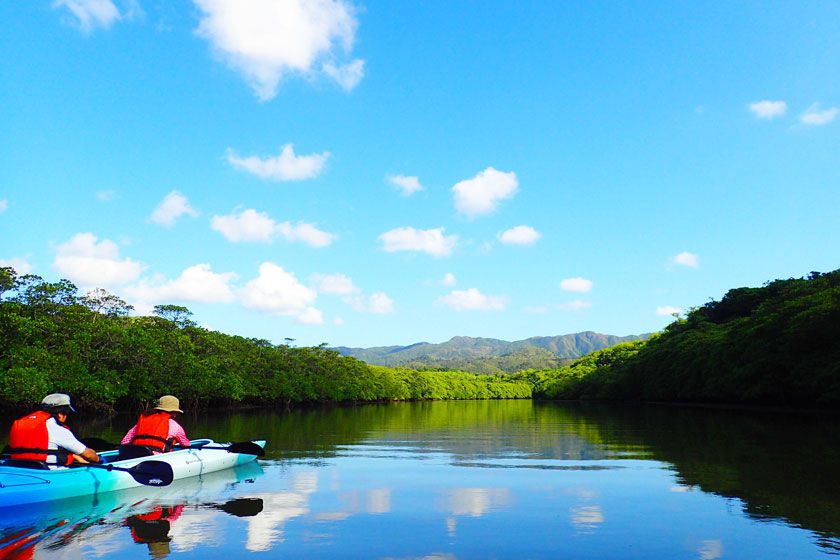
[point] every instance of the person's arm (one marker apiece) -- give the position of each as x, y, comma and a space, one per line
64, 439
129, 436
177, 431
87, 456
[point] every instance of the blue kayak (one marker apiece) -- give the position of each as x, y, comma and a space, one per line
20, 486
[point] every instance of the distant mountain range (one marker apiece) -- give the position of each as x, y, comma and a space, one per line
489, 355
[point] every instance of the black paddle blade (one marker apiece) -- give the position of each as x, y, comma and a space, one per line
246, 448
98, 444
242, 507
152, 473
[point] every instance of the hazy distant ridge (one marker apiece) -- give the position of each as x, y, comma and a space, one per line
567, 346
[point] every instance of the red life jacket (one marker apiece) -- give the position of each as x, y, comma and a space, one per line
29, 439
153, 431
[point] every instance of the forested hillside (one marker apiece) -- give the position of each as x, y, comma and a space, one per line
490, 355
54, 340
777, 344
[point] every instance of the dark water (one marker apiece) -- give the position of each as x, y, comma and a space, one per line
509, 479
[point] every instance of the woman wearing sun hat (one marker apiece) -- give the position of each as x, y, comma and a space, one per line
158, 429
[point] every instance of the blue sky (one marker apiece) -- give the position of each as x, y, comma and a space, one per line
383, 173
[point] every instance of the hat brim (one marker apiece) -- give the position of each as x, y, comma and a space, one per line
164, 409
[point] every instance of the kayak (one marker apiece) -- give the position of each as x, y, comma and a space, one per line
26, 486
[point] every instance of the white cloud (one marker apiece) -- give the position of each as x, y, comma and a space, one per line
473, 300
347, 76
768, 109
666, 310
247, 226
378, 303
335, 284
577, 284
482, 194
85, 261
21, 266
106, 196
342, 285
284, 167
3, 205
407, 185
519, 235
173, 206
267, 40
431, 241
278, 292
197, 283
310, 316
90, 14
815, 116
250, 226
575, 305
338, 321
685, 258
449, 279
307, 233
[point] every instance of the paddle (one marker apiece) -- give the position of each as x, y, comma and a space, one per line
148, 473
244, 447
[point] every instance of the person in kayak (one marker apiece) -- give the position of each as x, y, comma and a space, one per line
43, 436
158, 429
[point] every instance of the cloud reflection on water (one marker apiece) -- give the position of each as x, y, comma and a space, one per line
279, 507
711, 550
475, 502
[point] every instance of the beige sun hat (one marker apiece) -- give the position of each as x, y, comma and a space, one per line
168, 403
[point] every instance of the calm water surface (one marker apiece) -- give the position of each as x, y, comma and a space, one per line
510, 479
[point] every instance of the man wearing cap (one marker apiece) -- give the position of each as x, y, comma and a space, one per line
157, 429
42, 436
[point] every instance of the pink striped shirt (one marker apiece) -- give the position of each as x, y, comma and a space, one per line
175, 431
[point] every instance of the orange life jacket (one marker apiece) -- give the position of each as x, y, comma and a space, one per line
153, 431
29, 439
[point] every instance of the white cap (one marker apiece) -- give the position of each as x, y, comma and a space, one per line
58, 399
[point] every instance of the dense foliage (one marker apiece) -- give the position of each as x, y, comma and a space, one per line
777, 344
52, 339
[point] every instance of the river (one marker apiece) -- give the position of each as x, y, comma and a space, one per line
477, 479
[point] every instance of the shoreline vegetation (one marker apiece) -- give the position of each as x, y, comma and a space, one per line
776, 345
